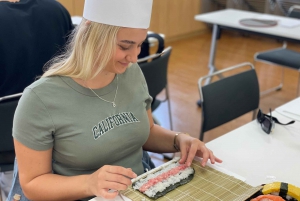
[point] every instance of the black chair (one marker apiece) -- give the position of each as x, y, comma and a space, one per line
229, 97
155, 71
8, 106
283, 57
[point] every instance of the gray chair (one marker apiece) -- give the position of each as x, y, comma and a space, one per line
155, 71
250, 5
280, 7
212, 5
283, 56
155, 68
8, 106
229, 97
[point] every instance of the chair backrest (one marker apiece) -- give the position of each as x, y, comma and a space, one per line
8, 106
294, 12
155, 72
229, 97
145, 49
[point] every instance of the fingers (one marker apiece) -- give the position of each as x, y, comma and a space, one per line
218, 160
127, 172
117, 182
107, 194
207, 154
113, 177
183, 154
191, 153
192, 147
118, 178
114, 186
108, 177
187, 149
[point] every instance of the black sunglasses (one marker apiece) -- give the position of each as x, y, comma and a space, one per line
268, 122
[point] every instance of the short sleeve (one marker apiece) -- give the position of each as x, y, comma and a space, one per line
33, 126
149, 99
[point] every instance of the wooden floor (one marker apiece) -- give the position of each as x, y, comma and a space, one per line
188, 62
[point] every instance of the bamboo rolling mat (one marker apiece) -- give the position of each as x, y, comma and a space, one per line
208, 184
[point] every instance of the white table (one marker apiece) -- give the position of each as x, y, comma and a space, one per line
229, 19
261, 158
251, 155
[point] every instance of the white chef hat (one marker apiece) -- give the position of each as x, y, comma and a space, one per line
123, 13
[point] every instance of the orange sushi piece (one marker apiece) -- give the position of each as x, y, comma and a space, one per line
268, 198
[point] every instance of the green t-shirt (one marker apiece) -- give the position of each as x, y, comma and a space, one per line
84, 131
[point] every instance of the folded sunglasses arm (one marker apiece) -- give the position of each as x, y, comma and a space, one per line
278, 122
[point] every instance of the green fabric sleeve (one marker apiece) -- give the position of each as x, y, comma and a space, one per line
33, 126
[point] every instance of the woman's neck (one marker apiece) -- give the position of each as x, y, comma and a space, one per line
99, 81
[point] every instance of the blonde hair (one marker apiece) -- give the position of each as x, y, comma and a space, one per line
91, 46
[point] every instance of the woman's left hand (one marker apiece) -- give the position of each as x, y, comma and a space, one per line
191, 147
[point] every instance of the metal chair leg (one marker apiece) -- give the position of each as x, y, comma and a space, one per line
254, 114
298, 88
277, 88
201, 135
155, 120
169, 107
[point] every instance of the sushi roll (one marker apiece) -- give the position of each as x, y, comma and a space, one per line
268, 198
277, 191
165, 180
285, 190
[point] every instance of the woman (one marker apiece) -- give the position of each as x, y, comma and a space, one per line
81, 129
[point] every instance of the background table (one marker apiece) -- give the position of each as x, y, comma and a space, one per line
229, 19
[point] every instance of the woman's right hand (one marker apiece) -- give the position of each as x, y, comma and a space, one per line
109, 178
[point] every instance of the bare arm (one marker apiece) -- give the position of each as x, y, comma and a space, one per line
161, 140
39, 183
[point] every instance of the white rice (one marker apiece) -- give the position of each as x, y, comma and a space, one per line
161, 186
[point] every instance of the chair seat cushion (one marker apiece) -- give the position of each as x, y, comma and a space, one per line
283, 57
